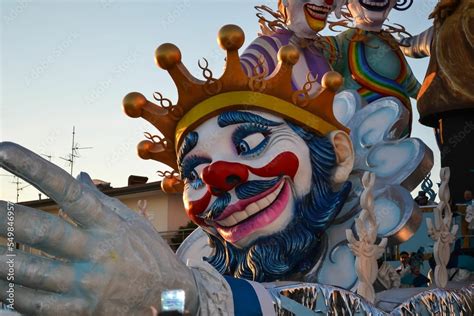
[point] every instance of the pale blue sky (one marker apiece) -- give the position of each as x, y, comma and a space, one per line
66, 63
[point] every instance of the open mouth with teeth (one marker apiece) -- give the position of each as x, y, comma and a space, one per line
375, 5
241, 219
317, 12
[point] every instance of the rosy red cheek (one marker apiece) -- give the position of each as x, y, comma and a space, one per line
194, 208
285, 164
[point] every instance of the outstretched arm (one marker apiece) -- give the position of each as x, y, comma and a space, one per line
411, 84
418, 46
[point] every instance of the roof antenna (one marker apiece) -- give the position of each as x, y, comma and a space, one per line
74, 151
16, 180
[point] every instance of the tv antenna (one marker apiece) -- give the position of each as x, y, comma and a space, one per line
74, 151
47, 156
16, 180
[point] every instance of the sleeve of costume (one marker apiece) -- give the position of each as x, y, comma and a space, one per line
418, 46
411, 84
224, 295
261, 53
215, 294
250, 298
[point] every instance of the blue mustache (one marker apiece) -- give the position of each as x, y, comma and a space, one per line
243, 191
251, 188
216, 208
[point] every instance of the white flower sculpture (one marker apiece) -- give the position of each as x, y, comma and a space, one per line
365, 249
442, 232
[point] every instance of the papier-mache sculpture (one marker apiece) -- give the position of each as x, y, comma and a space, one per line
315, 158
273, 178
270, 175
367, 54
442, 232
298, 23
366, 250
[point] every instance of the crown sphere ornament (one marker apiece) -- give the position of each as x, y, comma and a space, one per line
199, 100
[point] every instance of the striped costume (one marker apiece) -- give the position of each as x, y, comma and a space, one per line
265, 48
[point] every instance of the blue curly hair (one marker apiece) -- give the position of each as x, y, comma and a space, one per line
295, 249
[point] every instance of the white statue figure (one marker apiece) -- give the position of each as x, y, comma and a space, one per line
387, 276
470, 216
442, 232
364, 247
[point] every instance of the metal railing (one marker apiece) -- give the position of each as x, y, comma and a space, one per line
174, 238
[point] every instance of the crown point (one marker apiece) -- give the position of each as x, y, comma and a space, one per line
231, 37
144, 148
133, 104
288, 54
172, 185
167, 55
332, 80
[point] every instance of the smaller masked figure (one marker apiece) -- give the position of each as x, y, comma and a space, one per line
368, 56
298, 23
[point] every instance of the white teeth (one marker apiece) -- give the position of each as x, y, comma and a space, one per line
240, 216
251, 209
228, 221
318, 12
263, 203
375, 4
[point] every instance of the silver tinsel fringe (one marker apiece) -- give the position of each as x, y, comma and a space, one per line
317, 299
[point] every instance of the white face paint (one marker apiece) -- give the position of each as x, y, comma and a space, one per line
307, 17
222, 167
370, 15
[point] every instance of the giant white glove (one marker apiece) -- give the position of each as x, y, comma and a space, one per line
113, 262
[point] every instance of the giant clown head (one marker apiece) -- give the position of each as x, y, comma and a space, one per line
370, 15
264, 168
264, 189
305, 17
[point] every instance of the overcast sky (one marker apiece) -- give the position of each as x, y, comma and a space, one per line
69, 63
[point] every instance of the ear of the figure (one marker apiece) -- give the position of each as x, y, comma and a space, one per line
338, 9
344, 156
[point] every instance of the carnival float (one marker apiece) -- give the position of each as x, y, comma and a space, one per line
297, 165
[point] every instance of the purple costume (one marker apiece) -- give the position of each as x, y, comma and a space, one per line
266, 48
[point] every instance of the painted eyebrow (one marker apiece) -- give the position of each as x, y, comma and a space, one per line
189, 143
189, 163
237, 117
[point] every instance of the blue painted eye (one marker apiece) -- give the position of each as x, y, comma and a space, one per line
197, 184
251, 139
253, 144
190, 168
194, 180
243, 147
193, 176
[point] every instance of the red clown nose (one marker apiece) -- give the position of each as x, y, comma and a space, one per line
222, 176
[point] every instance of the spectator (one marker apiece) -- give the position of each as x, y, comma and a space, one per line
468, 197
387, 277
421, 199
404, 267
415, 278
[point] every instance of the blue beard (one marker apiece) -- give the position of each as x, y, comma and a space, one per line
295, 249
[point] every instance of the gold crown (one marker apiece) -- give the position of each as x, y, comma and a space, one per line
199, 100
